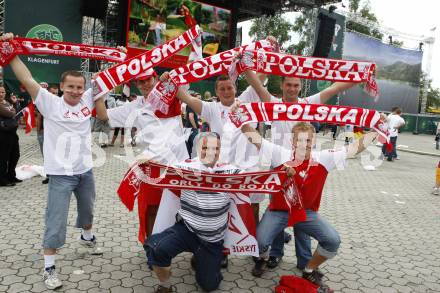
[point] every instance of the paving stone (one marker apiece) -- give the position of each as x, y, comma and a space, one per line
385, 247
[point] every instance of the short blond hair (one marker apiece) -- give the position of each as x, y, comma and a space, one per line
303, 127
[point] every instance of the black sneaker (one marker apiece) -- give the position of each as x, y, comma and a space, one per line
316, 279
225, 262
45, 181
15, 180
162, 289
259, 268
273, 261
318, 271
6, 183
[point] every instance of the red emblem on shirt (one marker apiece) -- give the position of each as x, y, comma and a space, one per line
85, 111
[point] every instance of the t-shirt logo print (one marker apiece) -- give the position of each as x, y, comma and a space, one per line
85, 111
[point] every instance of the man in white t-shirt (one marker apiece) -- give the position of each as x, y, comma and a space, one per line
395, 122
160, 134
281, 135
67, 159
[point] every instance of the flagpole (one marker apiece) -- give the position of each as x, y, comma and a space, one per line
24, 108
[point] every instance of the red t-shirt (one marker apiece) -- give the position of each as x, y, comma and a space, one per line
310, 174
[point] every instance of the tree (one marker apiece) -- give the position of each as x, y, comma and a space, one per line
364, 12
304, 26
276, 26
432, 94
397, 43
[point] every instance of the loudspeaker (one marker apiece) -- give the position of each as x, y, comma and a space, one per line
326, 32
94, 8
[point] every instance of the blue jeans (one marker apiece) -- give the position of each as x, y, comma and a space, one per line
161, 248
277, 247
320, 229
273, 223
270, 231
61, 188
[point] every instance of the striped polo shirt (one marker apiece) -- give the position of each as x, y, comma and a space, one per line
206, 213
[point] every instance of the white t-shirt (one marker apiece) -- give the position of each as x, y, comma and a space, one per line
235, 148
278, 155
281, 131
394, 120
67, 133
162, 137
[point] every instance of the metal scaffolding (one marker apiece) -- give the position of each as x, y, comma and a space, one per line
2, 15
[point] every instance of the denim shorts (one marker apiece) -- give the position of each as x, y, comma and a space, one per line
61, 188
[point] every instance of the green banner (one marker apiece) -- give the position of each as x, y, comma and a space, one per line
335, 52
48, 20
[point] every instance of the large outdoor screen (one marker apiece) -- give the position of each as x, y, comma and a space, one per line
153, 22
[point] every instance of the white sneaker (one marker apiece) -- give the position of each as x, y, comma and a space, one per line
50, 278
397, 158
91, 245
435, 191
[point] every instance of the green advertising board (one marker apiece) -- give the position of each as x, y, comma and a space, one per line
48, 20
335, 52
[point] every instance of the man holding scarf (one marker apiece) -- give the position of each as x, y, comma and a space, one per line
200, 226
67, 123
311, 169
160, 134
281, 135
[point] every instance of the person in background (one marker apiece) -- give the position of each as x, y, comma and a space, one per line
395, 122
119, 102
9, 147
436, 190
133, 131
191, 121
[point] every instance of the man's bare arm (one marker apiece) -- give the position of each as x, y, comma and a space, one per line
24, 76
256, 82
101, 110
334, 89
191, 101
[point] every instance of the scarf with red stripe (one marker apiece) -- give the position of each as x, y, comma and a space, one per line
163, 94
124, 72
259, 57
307, 67
24, 46
259, 112
144, 182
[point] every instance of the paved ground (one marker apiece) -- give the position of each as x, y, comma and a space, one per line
388, 221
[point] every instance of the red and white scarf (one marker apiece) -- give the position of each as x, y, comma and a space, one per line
124, 72
161, 176
24, 46
315, 68
164, 92
259, 112
240, 237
